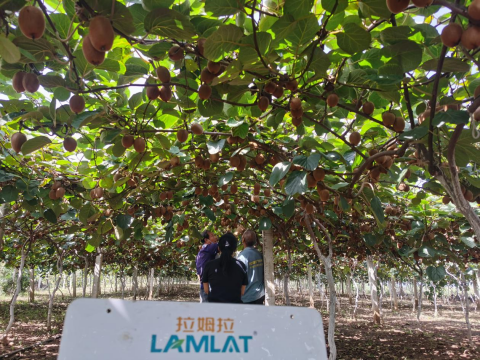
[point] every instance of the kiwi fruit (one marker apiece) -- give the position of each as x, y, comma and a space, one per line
470, 37
92, 55
309, 209
198, 161
69, 144
235, 161
399, 124
165, 93
446, 199
52, 195
206, 164
332, 100
297, 113
278, 93
233, 189
403, 187
324, 195
153, 92
292, 85
451, 34
474, 10
214, 158
375, 174
213, 67
163, 74
311, 182
372, 152
77, 104
259, 159
56, 185
31, 22
201, 46
355, 138
101, 33
397, 6
206, 76
388, 118
60, 192
98, 192
468, 196
17, 81
319, 174
422, 3
368, 108
127, 141
176, 53
182, 135
175, 161
297, 121
263, 103
204, 92
270, 87
17, 140
30, 82
295, 104
256, 188
139, 144
197, 129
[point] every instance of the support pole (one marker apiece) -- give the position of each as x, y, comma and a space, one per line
269, 270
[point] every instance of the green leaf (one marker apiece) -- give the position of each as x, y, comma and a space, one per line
288, 207
296, 183
354, 39
265, 223
436, 273
169, 23
51, 81
406, 55
334, 6
210, 214
41, 49
95, 240
320, 62
469, 241
214, 147
374, 8
8, 51
377, 208
449, 65
9, 193
415, 134
89, 248
426, 251
224, 7
241, 131
34, 144
297, 8
309, 163
50, 215
370, 239
279, 171
303, 33
451, 117
124, 221
210, 107
225, 39
156, 4
225, 179
84, 118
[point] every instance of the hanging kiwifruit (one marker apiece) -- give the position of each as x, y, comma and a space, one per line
452, 34
278, 93
17, 140
69, 144
235, 161
259, 159
206, 76
292, 85
355, 138
399, 124
175, 161
324, 194
182, 135
319, 174
295, 104
163, 74
165, 93
30, 82
256, 188
101, 33
127, 141
52, 195
213, 67
197, 129
471, 38
198, 161
214, 158
92, 55
176, 53
139, 144
309, 209
388, 118
31, 22
77, 104
474, 10
17, 81
270, 87
201, 45
204, 92
233, 189
263, 103
368, 108
297, 121
153, 92
311, 182
332, 100
397, 6
468, 196
60, 192
446, 199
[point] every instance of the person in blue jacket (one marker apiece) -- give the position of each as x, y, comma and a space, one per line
253, 260
207, 252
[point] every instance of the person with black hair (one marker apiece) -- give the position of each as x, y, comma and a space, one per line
224, 279
207, 252
253, 260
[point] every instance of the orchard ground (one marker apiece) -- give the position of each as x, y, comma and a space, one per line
399, 337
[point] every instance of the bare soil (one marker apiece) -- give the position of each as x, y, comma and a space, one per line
399, 336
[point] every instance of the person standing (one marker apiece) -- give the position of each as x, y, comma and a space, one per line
207, 252
224, 279
253, 260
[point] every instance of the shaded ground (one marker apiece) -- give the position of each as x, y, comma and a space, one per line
399, 337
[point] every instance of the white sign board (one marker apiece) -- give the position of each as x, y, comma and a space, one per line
119, 329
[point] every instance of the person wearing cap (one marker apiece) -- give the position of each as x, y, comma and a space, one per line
207, 252
253, 260
224, 279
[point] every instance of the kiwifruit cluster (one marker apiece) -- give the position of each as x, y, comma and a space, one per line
323, 193
77, 104
31, 22
17, 140
403, 187
139, 144
153, 92
380, 166
296, 111
166, 195
96, 193
366, 228
396, 122
207, 75
57, 191
397, 6
99, 40
23, 81
202, 163
275, 88
393, 211
239, 161
314, 177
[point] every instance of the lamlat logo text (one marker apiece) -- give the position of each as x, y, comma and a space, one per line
205, 344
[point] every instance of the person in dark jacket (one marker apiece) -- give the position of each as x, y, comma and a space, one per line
224, 279
207, 252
